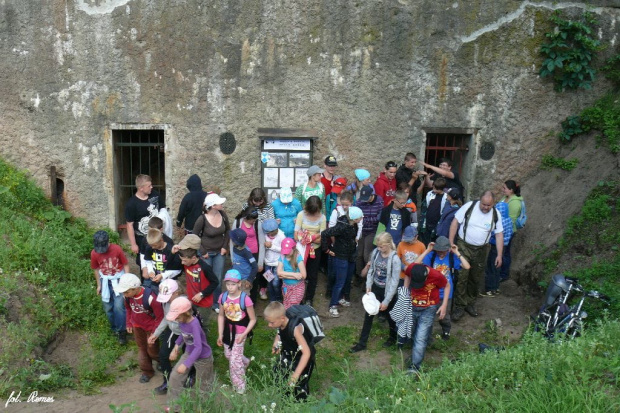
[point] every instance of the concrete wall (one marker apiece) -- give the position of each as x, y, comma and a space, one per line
369, 76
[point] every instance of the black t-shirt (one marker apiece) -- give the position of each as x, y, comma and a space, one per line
141, 211
450, 183
144, 245
163, 259
404, 174
433, 213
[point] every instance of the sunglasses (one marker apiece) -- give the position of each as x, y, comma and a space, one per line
391, 164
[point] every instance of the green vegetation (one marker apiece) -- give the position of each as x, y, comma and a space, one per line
569, 52
46, 288
550, 161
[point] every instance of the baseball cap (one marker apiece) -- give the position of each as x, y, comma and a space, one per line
214, 199
442, 244
331, 161
418, 274
166, 289
238, 236
339, 184
355, 213
409, 233
286, 194
314, 170
362, 174
365, 193
191, 241
232, 275
270, 225
179, 305
454, 193
101, 242
287, 246
127, 282
371, 304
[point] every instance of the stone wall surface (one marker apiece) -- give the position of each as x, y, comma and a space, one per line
368, 76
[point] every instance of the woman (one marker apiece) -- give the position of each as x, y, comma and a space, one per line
258, 200
512, 197
308, 227
383, 275
255, 241
339, 242
213, 228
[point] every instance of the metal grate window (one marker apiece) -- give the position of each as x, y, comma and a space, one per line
451, 146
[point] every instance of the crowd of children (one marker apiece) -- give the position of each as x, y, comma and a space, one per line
277, 250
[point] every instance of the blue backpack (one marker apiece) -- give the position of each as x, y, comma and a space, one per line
520, 222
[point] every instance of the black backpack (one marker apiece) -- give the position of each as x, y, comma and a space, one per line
145, 302
306, 315
468, 215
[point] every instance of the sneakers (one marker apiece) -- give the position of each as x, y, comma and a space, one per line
471, 310
457, 314
263, 294
487, 294
216, 309
344, 303
333, 312
445, 336
144, 378
356, 348
163, 389
122, 338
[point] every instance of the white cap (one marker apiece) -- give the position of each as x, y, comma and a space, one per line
214, 199
371, 304
127, 282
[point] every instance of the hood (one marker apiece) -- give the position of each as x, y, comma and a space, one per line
194, 183
382, 177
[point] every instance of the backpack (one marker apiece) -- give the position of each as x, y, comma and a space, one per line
224, 297
229, 323
454, 273
306, 315
522, 218
468, 215
145, 302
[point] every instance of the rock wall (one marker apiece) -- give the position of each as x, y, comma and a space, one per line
370, 77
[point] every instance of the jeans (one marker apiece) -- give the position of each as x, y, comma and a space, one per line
216, 261
506, 260
423, 318
343, 270
115, 309
492, 273
274, 286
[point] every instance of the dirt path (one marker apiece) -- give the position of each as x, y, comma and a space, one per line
502, 320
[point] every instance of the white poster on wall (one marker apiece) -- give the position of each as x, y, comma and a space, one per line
287, 177
290, 144
301, 176
270, 178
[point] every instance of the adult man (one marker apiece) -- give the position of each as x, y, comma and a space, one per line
328, 177
475, 222
140, 208
385, 185
407, 173
445, 170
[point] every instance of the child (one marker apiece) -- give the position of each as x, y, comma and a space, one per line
425, 283
292, 270
362, 179
410, 204
286, 209
109, 262
242, 259
144, 314
234, 323
382, 277
197, 351
160, 262
332, 200
273, 246
432, 207
155, 223
409, 249
200, 281
167, 331
255, 241
339, 243
395, 217
297, 355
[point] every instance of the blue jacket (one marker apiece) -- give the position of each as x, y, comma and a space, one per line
287, 213
502, 207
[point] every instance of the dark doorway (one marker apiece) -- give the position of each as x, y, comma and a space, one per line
137, 151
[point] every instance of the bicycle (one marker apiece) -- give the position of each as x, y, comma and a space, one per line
555, 316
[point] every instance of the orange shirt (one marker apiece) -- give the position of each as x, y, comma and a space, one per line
408, 252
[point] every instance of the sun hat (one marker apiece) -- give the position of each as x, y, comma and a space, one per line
442, 244
314, 170
339, 184
365, 193
270, 225
214, 199
166, 289
418, 274
127, 282
286, 195
179, 305
232, 275
331, 161
409, 233
355, 213
362, 174
101, 241
191, 241
238, 236
371, 304
287, 246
